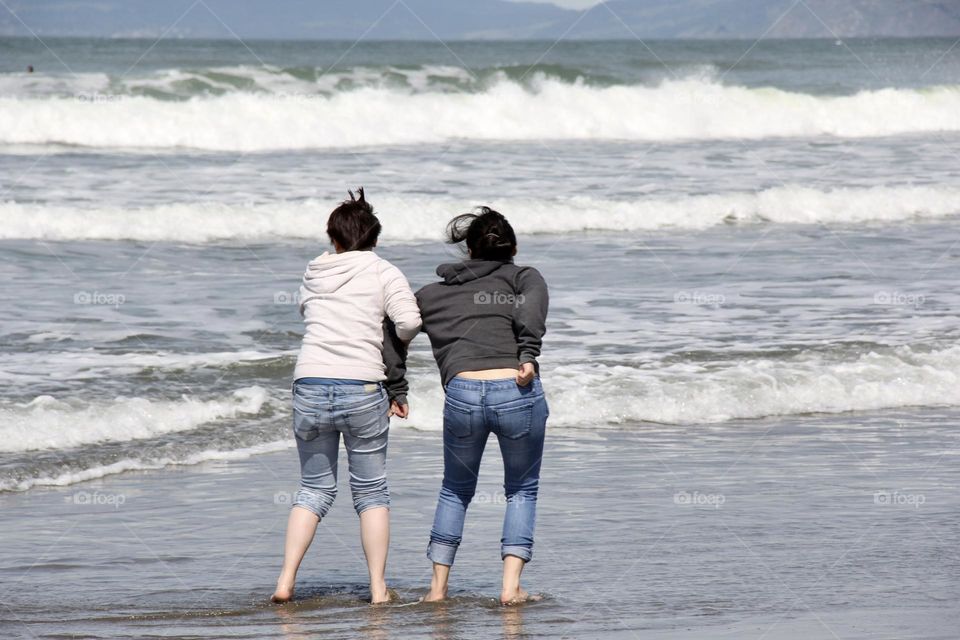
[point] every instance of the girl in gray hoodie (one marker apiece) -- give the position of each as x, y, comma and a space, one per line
486, 319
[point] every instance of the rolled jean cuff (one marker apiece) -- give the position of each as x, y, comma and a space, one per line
441, 553
319, 502
524, 553
368, 494
372, 503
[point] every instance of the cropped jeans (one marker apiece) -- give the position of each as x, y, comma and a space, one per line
321, 413
518, 416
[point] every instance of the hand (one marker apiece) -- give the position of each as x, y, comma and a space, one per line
525, 374
399, 410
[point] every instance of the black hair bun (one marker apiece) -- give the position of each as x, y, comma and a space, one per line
488, 234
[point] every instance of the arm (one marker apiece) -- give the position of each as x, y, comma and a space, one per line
530, 314
399, 304
303, 294
395, 360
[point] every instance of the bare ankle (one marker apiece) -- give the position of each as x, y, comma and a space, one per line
438, 591
436, 594
284, 590
379, 593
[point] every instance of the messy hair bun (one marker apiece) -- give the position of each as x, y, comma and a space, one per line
353, 224
488, 234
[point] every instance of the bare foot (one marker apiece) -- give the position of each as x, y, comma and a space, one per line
383, 595
283, 593
519, 596
435, 596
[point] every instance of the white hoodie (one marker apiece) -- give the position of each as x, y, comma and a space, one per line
343, 300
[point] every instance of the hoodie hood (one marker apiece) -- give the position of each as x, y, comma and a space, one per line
329, 272
468, 270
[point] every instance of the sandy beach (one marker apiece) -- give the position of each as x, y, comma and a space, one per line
773, 530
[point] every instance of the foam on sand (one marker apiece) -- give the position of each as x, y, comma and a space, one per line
140, 464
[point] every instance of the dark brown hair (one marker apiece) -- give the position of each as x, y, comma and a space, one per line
488, 234
353, 225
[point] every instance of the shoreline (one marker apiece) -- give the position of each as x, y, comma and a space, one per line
630, 539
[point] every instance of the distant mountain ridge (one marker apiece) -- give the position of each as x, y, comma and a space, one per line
779, 18
482, 19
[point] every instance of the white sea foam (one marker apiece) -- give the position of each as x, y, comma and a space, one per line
49, 423
582, 396
90, 363
587, 396
140, 464
544, 109
422, 219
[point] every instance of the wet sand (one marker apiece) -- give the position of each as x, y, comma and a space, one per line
812, 527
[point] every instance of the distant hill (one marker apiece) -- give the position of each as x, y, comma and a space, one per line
482, 19
775, 18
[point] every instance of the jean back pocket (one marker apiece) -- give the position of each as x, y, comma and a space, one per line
514, 421
368, 418
460, 419
311, 412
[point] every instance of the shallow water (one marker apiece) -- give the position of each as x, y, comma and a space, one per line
671, 329
803, 527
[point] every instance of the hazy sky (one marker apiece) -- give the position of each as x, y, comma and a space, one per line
480, 19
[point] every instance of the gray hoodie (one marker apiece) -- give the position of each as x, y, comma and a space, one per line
486, 314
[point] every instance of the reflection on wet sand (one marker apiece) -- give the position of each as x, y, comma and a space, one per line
512, 619
338, 607
289, 622
378, 618
443, 623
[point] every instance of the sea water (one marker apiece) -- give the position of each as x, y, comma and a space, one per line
737, 241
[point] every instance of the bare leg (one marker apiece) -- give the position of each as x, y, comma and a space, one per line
438, 584
511, 592
301, 527
375, 537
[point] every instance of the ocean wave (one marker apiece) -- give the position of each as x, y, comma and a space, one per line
588, 396
97, 471
179, 84
419, 219
34, 366
582, 396
507, 110
49, 423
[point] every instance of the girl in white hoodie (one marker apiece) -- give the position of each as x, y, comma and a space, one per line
339, 388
